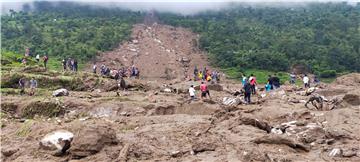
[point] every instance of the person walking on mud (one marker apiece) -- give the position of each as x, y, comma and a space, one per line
253, 84
204, 90
22, 85
94, 68
33, 86
196, 71
121, 85
247, 91
192, 92
306, 81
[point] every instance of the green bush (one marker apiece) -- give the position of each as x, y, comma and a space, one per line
328, 74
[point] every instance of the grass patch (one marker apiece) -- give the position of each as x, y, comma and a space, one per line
25, 128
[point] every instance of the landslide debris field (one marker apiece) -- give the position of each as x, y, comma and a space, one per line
150, 123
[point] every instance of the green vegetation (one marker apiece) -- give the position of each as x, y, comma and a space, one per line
64, 30
325, 37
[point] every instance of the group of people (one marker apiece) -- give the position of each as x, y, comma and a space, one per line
206, 75
132, 71
305, 79
204, 91
33, 85
70, 63
27, 55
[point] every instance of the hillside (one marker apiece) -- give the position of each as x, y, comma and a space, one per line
324, 37
159, 51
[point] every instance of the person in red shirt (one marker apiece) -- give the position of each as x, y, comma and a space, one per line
204, 90
253, 83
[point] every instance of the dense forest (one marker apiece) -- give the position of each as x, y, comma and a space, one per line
65, 29
325, 37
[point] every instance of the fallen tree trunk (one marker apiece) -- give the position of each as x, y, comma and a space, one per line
280, 140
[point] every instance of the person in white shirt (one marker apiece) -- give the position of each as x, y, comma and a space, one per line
192, 92
306, 81
37, 58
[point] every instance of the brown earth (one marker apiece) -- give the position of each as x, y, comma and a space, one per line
159, 51
147, 123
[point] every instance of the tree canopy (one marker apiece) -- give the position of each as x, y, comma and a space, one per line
322, 36
66, 29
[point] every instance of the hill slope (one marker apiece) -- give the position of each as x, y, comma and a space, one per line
159, 51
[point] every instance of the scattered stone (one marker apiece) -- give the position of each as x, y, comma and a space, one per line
202, 146
9, 151
336, 152
60, 92
349, 152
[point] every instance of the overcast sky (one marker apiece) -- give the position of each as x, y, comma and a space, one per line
178, 6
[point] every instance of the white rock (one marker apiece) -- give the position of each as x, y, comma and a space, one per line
60, 92
53, 139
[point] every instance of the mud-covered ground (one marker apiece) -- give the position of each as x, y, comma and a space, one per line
153, 125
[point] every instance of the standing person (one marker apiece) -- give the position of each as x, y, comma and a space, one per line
276, 82
200, 75
267, 87
75, 65
247, 89
22, 85
121, 85
27, 52
214, 76
45, 58
37, 58
253, 84
316, 79
204, 90
192, 92
270, 80
196, 71
306, 81
64, 64
72, 64
243, 81
94, 68
33, 86
292, 78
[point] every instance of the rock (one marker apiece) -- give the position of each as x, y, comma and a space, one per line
59, 140
91, 139
349, 152
175, 154
203, 146
231, 101
9, 151
60, 92
336, 152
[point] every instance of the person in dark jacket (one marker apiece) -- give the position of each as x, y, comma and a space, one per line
270, 80
247, 89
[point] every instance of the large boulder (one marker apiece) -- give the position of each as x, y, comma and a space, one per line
228, 101
60, 92
59, 140
91, 139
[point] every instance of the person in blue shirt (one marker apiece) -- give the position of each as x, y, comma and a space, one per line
267, 87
